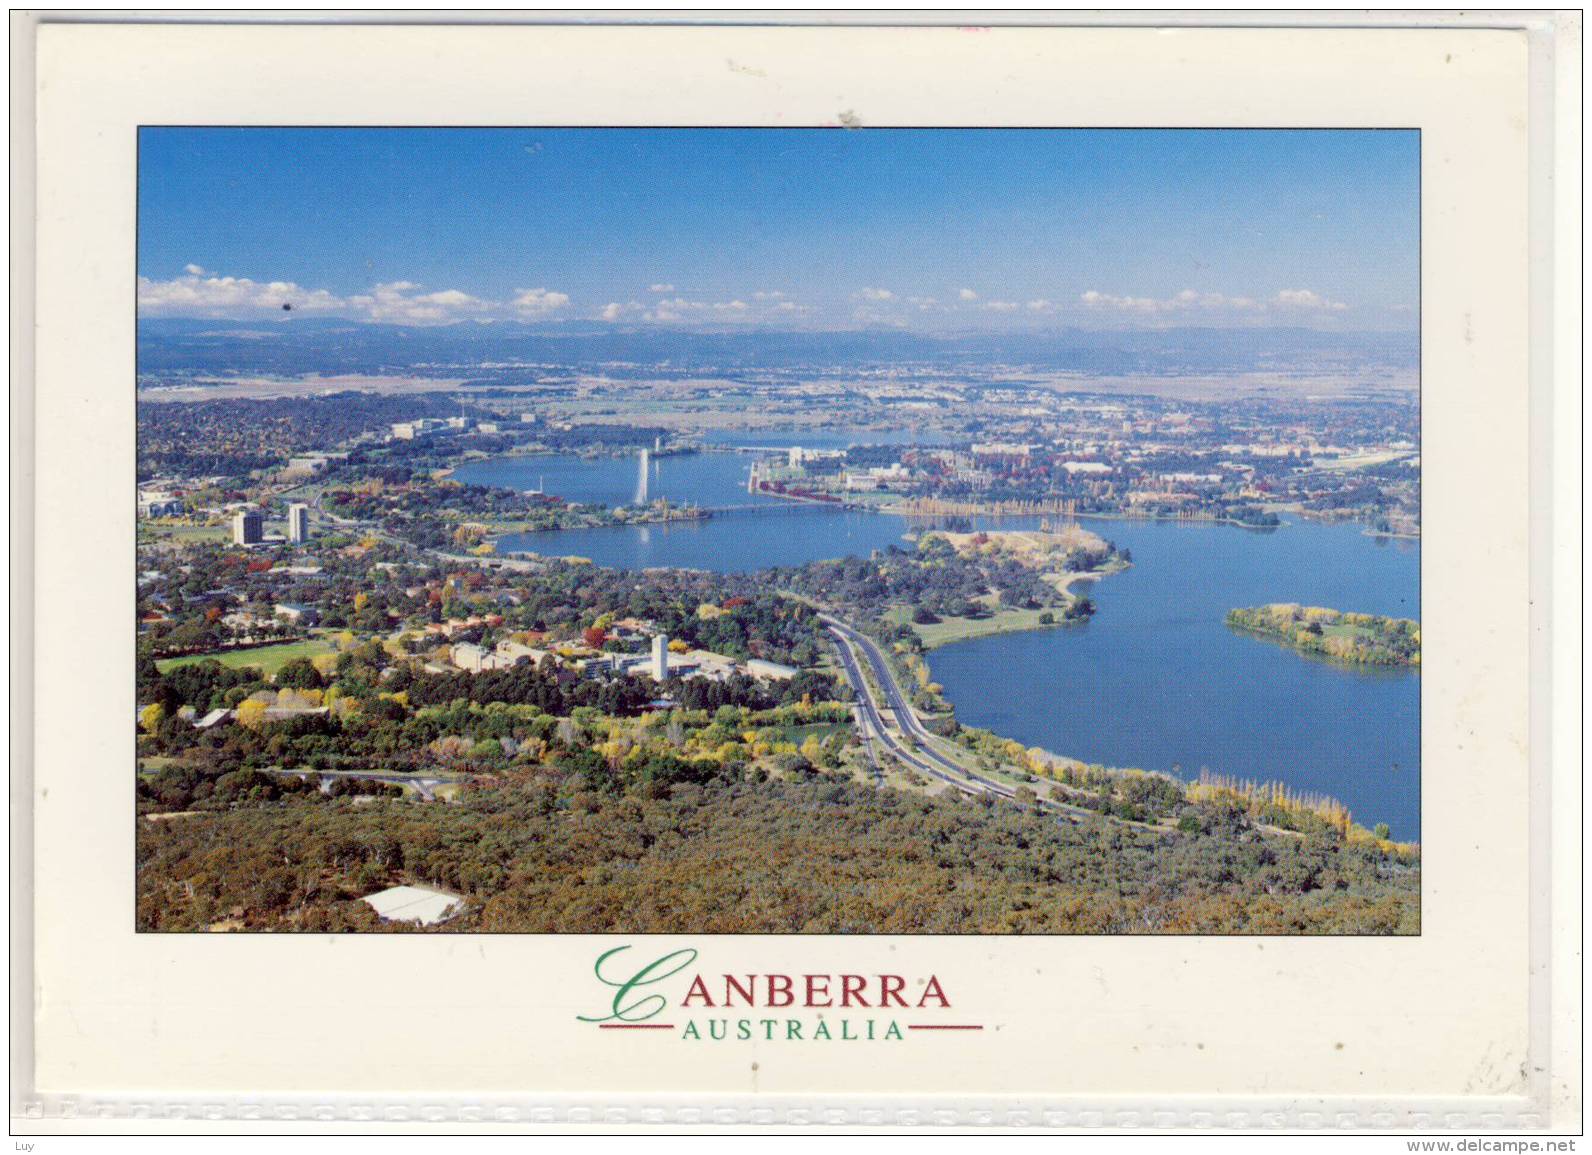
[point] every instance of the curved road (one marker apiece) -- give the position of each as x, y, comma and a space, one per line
924, 757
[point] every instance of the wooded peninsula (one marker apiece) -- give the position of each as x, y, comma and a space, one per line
1365, 639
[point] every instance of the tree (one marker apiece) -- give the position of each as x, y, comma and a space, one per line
151, 716
299, 674
251, 713
594, 636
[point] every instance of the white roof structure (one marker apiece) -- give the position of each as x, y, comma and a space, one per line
758, 668
414, 904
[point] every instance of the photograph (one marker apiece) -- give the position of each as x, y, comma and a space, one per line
836, 530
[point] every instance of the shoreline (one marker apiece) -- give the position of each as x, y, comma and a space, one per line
976, 510
1008, 621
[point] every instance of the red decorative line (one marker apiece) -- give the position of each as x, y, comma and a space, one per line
943, 1027
635, 1026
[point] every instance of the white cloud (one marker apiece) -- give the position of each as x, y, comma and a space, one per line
872, 294
399, 302
200, 294
539, 302
1039, 305
1189, 300
660, 287
1307, 299
1095, 299
866, 313
768, 295
966, 295
673, 310
194, 270
764, 306
1001, 306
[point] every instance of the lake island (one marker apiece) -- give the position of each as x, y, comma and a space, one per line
1366, 639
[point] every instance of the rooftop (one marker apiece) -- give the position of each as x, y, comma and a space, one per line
414, 904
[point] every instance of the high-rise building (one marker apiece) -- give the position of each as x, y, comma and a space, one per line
298, 522
660, 657
248, 527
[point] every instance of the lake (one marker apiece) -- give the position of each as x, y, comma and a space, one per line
775, 533
703, 478
1154, 680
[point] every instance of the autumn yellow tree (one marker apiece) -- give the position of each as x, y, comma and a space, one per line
251, 713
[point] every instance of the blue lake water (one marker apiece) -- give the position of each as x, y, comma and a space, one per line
1155, 680
703, 478
786, 535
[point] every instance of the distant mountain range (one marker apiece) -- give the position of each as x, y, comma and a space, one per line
182, 347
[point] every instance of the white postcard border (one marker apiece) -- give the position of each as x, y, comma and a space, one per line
1085, 1024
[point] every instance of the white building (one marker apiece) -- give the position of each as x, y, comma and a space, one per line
758, 668
660, 657
298, 522
160, 506
298, 613
410, 430
476, 659
1001, 449
514, 651
309, 463
707, 664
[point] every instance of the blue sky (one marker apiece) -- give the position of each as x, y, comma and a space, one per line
936, 230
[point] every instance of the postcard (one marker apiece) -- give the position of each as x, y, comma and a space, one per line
750, 576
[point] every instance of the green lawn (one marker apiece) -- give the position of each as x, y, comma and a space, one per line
269, 659
819, 730
169, 531
948, 630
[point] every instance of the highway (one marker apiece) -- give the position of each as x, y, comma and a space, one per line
925, 757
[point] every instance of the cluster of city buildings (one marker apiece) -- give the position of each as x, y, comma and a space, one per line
311, 464
878, 477
159, 502
248, 526
422, 427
